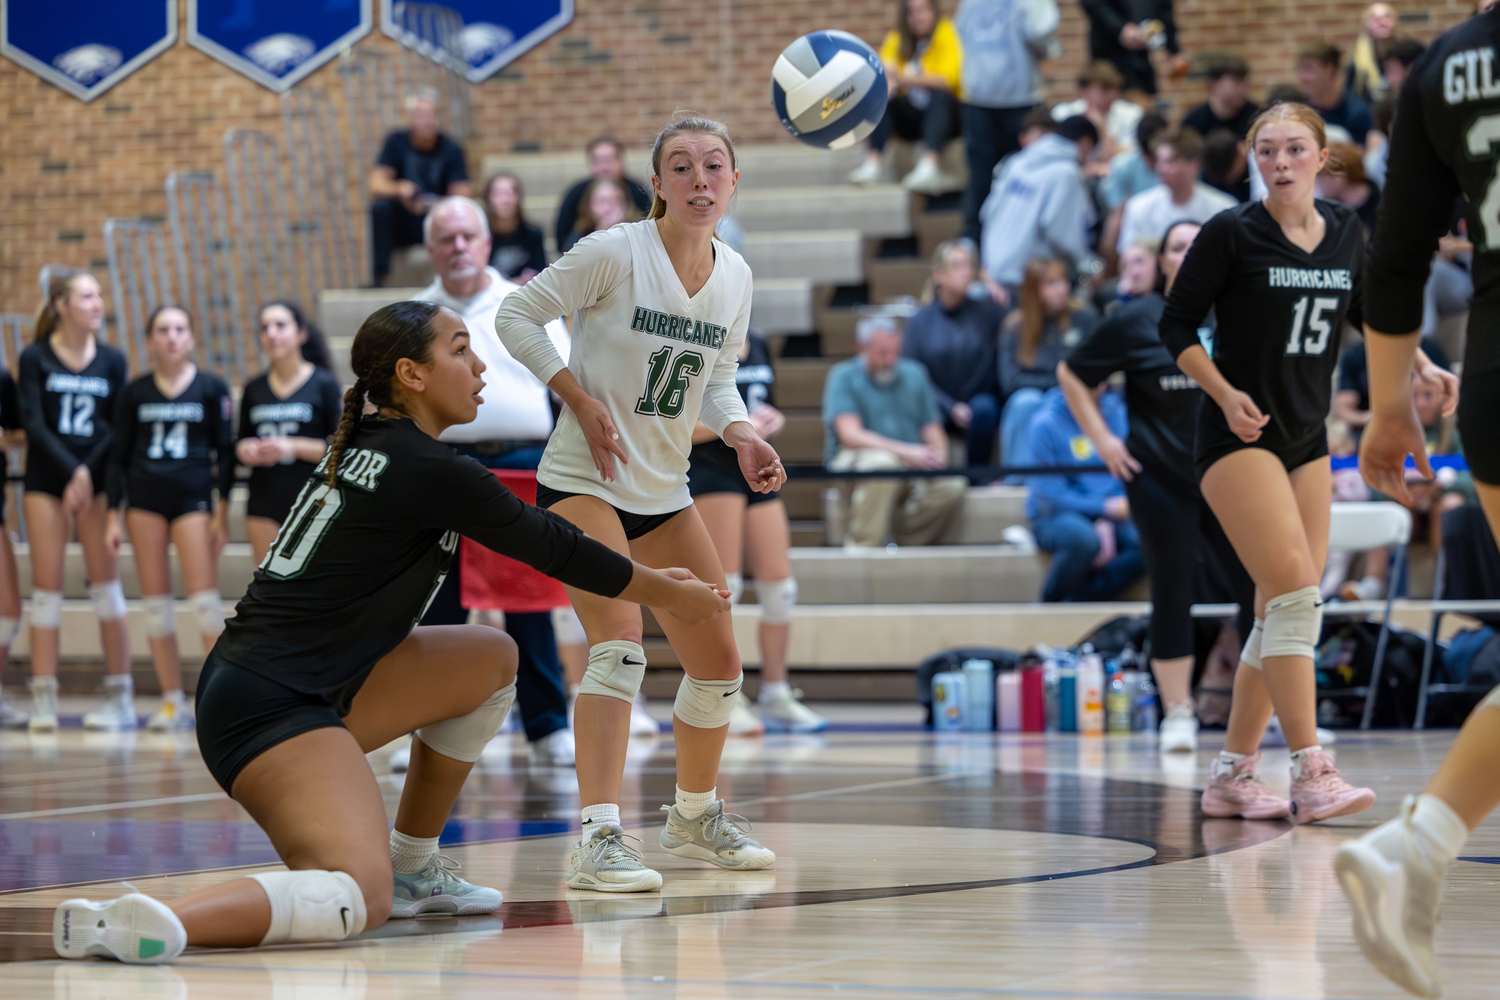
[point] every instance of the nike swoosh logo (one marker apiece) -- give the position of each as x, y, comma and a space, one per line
344, 917
632, 663
731, 694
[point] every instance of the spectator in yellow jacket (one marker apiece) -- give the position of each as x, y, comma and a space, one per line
923, 62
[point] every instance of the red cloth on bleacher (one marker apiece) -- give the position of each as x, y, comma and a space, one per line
492, 582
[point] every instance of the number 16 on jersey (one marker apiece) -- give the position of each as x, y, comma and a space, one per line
667, 382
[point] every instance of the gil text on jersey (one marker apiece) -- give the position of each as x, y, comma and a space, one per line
1470, 76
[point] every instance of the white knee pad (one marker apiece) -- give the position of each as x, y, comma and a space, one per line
209, 607
46, 608
161, 616
1250, 655
615, 670
312, 906
1293, 623
736, 584
464, 738
777, 599
706, 704
1491, 700
109, 600
567, 628
8, 629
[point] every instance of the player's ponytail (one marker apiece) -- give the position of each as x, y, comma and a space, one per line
59, 286
399, 330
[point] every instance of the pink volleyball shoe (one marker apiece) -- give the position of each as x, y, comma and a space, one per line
1237, 792
1319, 792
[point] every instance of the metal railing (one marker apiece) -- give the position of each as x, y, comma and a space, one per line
206, 270
140, 279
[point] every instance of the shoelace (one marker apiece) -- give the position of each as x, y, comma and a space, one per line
725, 824
612, 849
445, 869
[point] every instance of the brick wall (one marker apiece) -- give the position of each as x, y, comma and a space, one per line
623, 66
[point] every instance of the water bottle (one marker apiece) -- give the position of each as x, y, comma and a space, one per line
1090, 693
1033, 699
1067, 699
948, 702
1008, 701
1146, 709
979, 696
1118, 702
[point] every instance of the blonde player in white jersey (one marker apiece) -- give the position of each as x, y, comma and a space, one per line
662, 310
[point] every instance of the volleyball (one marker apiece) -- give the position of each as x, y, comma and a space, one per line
829, 89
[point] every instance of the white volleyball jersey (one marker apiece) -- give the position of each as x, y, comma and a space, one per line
657, 358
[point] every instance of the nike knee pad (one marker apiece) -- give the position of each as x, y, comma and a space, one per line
109, 600
1293, 624
567, 627
706, 704
1250, 655
777, 599
46, 608
1491, 700
209, 607
736, 584
161, 616
615, 670
464, 738
312, 906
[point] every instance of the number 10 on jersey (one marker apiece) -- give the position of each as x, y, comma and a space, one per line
667, 382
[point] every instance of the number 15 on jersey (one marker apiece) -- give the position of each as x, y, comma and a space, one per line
1321, 328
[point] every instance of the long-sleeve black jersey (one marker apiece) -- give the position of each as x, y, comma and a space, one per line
68, 415
313, 411
355, 565
10, 403
180, 438
1443, 144
1280, 313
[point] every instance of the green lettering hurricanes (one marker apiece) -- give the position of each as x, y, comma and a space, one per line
680, 328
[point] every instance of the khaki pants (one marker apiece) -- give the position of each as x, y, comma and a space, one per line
909, 511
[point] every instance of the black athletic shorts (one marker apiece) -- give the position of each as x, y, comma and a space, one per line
715, 468
635, 525
166, 496
241, 715
40, 478
1213, 442
1478, 416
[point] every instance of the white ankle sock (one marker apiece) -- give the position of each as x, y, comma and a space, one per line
604, 812
691, 805
772, 690
411, 854
1437, 819
119, 686
175, 697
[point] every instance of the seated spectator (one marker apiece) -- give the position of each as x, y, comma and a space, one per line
1137, 271
606, 159
1180, 197
1343, 180
1082, 519
1397, 59
1450, 286
879, 413
417, 166
1034, 338
1134, 171
1226, 168
923, 66
1346, 115
1039, 204
605, 203
1126, 32
954, 337
1228, 105
1400, 55
1365, 77
1351, 397
517, 250
1100, 102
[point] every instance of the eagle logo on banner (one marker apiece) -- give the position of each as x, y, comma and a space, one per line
276, 42
491, 34
94, 46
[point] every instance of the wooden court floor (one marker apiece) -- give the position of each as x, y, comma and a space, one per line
909, 865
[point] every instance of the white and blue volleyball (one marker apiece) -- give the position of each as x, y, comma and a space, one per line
829, 89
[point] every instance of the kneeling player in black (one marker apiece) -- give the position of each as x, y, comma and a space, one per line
322, 664
171, 427
1281, 273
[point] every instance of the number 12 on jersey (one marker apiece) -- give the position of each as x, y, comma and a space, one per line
667, 382
1315, 322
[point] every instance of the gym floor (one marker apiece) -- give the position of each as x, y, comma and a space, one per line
910, 864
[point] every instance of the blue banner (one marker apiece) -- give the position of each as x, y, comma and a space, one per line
276, 42
87, 46
495, 32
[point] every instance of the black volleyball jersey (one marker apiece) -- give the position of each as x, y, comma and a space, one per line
313, 411
179, 439
755, 379
1445, 141
354, 566
1162, 402
1280, 309
10, 402
69, 415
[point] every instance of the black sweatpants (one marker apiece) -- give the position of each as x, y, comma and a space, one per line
391, 228
935, 124
990, 135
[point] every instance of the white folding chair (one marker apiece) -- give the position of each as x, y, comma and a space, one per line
1359, 527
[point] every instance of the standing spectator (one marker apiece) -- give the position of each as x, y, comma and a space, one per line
509, 432
1366, 74
416, 167
516, 246
1226, 168
1034, 339
1343, 180
1003, 41
605, 203
1124, 33
954, 337
1181, 197
1132, 171
923, 68
1082, 519
879, 413
1100, 102
1228, 105
1040, 205
1346, 115
606, 159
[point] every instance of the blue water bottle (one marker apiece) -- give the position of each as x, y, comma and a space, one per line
948, 697
1067, 699
979, 696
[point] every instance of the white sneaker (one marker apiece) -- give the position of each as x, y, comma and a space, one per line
1393, 878
43, 705
742, 720
134, 928
1274, 737
171, 717
11, 716
556, 749
783, 711
439, 889
928, 178
713, 837
603, 862
641, 722
1179, 730
869, 171
117, 712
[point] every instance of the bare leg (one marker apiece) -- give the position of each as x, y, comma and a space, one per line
148, 538
102, 567
191, 534
47, 532
262, 532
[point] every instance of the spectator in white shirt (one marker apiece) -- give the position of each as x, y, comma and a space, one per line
1099, 100
1180, 197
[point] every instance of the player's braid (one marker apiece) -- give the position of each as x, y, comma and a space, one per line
399, 330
